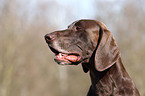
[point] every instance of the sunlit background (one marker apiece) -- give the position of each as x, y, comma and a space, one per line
27, 67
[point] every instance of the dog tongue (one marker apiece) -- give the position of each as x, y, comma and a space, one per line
64, 57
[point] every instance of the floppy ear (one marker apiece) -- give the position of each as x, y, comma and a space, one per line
107, 51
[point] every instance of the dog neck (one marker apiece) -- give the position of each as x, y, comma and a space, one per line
100, 82
110, 80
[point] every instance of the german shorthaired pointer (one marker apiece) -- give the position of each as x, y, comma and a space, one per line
90, 43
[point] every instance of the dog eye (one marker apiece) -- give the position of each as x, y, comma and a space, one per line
78, 28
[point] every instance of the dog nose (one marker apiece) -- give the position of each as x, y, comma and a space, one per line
48, 38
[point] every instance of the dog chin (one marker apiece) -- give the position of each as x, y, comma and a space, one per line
60, 62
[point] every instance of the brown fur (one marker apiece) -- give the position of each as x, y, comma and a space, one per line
96, 48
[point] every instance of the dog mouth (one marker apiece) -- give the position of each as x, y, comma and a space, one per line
65, 58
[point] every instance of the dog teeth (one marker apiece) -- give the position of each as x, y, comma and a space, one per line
59, 55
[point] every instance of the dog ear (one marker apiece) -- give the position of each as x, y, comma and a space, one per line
107, 52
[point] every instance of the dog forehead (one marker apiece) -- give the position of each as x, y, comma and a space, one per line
73, 24
86, 23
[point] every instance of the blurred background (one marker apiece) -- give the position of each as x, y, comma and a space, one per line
27, 67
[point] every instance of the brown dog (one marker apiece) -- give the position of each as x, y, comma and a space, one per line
90, 43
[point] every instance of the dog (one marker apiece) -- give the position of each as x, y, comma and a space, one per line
91, 44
